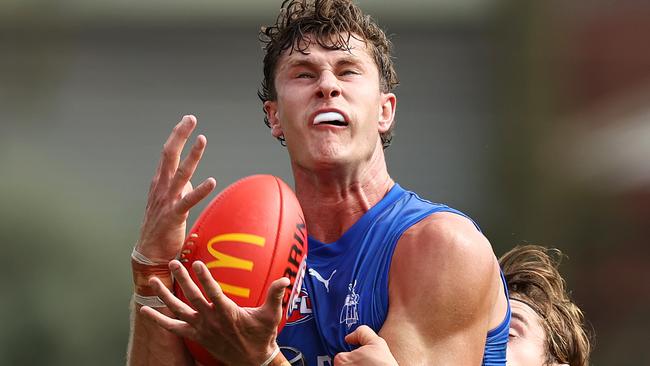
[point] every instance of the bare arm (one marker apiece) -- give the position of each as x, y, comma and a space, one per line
170, 198
443, 288
151, 345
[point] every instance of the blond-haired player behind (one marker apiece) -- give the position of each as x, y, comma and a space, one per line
547, 327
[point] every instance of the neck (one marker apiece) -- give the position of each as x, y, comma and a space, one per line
334, 198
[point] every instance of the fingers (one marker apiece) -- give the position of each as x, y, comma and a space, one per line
343, 358
212, 289
178, 327
174, 146
186, 168
195, 196
362, 336
189, 288
179, 308
274, 295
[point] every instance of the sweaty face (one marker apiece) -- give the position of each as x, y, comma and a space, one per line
527, 339
329, 107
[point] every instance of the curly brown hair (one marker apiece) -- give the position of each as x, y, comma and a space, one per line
533, 277
331, 24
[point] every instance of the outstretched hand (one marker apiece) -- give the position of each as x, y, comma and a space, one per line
373, 351
171, 195
232, 334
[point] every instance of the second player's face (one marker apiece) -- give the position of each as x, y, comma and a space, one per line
527, 339
329, 106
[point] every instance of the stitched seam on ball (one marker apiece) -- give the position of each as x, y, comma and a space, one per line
279, 229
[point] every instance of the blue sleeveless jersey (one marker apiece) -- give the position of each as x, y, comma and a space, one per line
346, 283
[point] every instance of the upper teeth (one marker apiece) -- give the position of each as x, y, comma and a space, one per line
328, 116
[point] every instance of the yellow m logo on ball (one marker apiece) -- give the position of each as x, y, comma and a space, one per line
223, 260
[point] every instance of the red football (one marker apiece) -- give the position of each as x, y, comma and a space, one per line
251, 234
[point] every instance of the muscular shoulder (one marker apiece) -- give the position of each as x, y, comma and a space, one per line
444, 244
443, 262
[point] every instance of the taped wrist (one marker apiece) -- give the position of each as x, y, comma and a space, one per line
276, 359
143, 269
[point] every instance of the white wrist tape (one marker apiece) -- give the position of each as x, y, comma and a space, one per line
150, 301
143, 269
272, 357
142, 259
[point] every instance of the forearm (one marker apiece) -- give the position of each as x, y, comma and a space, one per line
150, 344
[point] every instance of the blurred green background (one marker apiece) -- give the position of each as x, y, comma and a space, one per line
533, 117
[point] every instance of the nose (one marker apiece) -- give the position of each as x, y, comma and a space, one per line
328, 85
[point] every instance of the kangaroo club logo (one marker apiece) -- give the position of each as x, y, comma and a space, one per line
349, 312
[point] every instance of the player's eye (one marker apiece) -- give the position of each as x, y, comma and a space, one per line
513, 335
349, 72
304, 75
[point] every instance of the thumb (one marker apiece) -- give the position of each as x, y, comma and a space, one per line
362, 336
275, 294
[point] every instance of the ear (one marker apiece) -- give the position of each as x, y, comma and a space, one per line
271, 110
387, 111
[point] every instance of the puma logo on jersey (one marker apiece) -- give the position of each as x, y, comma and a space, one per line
320, 278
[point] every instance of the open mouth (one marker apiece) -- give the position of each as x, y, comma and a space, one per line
330, 118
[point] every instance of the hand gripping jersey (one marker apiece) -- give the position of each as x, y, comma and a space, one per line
346, 283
